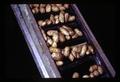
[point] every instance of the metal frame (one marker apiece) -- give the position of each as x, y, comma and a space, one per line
38, 47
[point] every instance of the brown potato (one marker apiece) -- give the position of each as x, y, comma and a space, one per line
64, 31
75, 36
95, 73
83, 50
48, 8
40, 22
49, 40
55, 37
55, 50
66, 51
42, 10
77, 31
69, 30
56, 56
75, 75
54, 44
67, 37
52, 32
59, 63
61, 37
55, 8
52, 19
71, 18
66, 6
61, 17
90, 48
66, 17
71, 57
100, 70
85, 76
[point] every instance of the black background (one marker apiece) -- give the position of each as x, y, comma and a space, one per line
18, 63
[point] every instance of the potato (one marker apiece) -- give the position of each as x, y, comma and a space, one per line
77, 31
66, 6
48, 22
69, 30
40, 22
75, 36
66, 51
64, 31
67, 37
42, 5
66, 17
75, 75
49, 41
95, 73
56, 19
100, 70
54, 44
42, 10
51, 32
59, 63
61, 37
61, 17
83, 50
56, 56
48, 8
52, 19
85, 76
55, 37
43, 23
71, 57
55, 8
71, 18
91, 75
62, 8
53, 49
90, 48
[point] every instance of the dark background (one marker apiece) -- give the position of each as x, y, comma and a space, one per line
101, 17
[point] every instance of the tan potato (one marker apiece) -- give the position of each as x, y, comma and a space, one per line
85, 76
52, 19
83, 50
40, 22
66, 6
43, 23
67, 37
61, 37
74, 51
87, 52
71, 18
66, 17
100, 70
49, 40
55, 50
54, 44
62, 8
48, 22
55, 37
42, 10
64, 31
66, 51
59, 5
75, 36
33, 11
59, 63
90, 48
91, 75
42, 5
75, 75
48, 8
61, 17
77, 31
52, 32
69, 30
71, 57
94, 67
56, 56
56, 19
95, 73
55, 8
